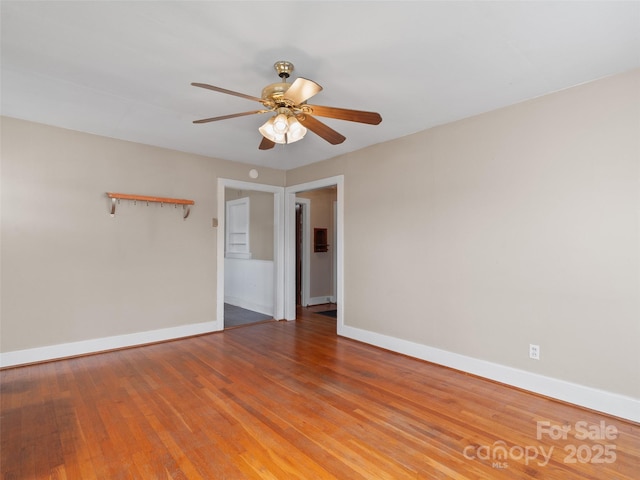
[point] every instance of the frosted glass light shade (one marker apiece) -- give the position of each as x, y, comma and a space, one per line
280, 124
268, 131
293, 132
296, 130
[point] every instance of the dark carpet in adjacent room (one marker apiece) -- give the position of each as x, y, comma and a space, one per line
235, 316
329, 313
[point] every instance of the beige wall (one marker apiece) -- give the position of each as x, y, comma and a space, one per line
321, 264
70, 272
513, 227
261, 232
479, 237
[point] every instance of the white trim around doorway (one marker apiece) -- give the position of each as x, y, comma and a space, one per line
306, 248
278, 241
290, 245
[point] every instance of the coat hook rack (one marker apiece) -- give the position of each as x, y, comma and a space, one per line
116, 197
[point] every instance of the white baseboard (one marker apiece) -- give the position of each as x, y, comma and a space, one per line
600, 400
52, 352
321, 300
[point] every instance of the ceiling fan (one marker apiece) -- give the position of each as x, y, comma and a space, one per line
291, 115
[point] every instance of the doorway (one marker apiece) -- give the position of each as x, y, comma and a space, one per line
336, 262
316, 248
250, 274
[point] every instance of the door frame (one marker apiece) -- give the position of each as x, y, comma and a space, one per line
290, 245
306, 250
278, 243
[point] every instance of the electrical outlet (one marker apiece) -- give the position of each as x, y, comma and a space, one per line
534, 351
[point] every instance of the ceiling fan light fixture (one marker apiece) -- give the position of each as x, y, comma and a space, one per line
296, 130
280, 124
269, 132
293, 132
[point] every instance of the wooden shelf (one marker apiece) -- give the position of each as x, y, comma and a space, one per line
144, 198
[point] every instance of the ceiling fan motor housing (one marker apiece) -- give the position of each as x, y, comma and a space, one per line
275, 91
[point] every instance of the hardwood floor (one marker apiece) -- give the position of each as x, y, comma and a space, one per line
285, 400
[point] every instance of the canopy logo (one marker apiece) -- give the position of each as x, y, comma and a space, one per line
498, 453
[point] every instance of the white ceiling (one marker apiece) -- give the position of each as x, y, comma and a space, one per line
123, 69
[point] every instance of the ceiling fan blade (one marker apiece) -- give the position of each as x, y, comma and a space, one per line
372, 118
225, 117
320, 129
224, 90
302, 89
266, 144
